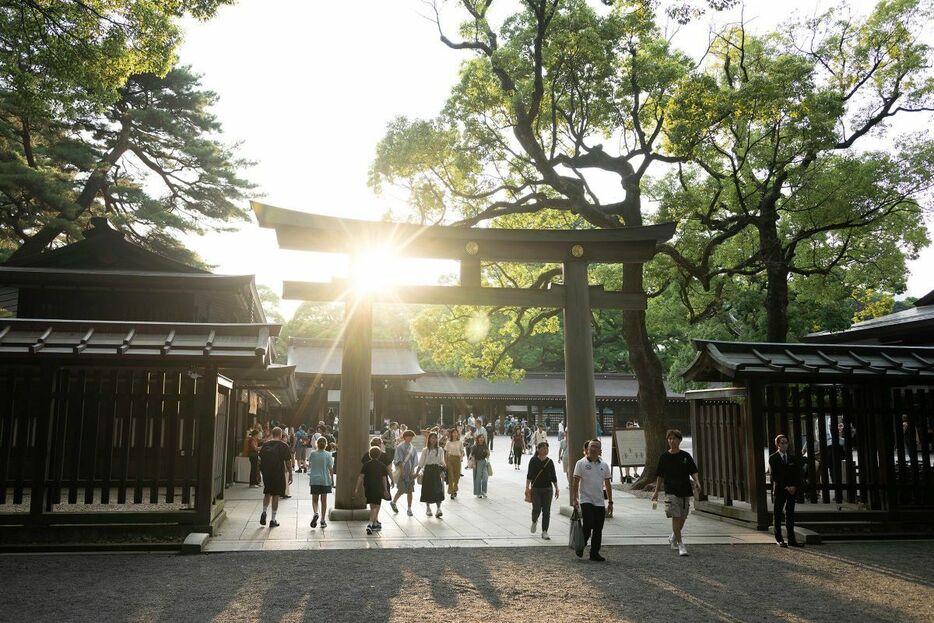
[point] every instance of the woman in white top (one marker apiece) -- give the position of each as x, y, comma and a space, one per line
430, 464
539, 436
453, 451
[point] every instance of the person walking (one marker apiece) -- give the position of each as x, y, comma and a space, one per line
373, 478
320, 480
252, 451
676, 468
539, 481
468, 442
389, 439
518, 448
786, 478
430, 465
301, 448
539, 436
591, 480
490, 434
453, 453
405, 461
275, 460
480, 456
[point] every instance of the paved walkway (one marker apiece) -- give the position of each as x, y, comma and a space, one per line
500, 520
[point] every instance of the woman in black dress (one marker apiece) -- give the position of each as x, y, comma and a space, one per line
430, 465
372, 477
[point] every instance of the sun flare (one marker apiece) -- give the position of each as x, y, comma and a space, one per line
375, 270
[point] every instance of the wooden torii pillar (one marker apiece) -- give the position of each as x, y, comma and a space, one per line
574, 249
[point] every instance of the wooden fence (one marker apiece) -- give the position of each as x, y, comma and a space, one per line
867, 446
110, 444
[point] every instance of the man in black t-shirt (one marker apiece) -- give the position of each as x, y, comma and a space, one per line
275, 461
677, 469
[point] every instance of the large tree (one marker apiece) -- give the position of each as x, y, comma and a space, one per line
559, 109
787, 185
94, 119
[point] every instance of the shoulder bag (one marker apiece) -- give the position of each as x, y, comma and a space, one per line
528, 492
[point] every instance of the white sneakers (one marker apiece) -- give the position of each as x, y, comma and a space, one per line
534, 527
545, 536
681, 547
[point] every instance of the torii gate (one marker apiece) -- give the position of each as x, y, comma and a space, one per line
574, 249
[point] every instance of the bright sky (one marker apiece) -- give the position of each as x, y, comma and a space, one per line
308, 87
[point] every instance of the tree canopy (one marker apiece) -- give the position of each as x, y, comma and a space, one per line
96, 117
784, 185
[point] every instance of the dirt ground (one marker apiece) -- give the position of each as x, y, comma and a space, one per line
881, 581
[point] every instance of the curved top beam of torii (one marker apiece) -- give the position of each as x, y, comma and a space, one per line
315, 232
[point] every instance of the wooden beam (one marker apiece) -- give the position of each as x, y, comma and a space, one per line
460, 295
315, 232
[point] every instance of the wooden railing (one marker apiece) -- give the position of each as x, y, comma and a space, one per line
95, 442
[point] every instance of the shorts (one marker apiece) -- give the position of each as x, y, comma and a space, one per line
677, 506
320, 489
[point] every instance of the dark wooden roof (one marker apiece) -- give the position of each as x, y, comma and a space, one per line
927, 299
534, 386
913, 326
316, 232
143, 343
104, 248
722, 361
317, 357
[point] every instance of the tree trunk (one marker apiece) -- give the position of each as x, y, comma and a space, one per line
776, 298
650, 375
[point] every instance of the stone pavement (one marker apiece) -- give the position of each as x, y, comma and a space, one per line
501, 520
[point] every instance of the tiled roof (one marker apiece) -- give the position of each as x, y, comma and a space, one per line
324, 357
222, 345
717, 361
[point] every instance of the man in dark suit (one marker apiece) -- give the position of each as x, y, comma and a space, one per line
786, 478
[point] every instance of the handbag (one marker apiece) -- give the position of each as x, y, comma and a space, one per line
471, 463
489, 468
510, 458
576, 535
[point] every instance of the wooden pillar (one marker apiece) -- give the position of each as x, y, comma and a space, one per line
578, 360
207, 418
470, 272
356, 379
755, 457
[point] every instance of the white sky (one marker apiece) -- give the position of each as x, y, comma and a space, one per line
308, 87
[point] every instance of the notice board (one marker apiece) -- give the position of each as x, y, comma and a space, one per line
628, 447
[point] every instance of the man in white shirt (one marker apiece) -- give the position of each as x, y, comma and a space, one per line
591, 479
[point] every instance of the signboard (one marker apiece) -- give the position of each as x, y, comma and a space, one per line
628, 447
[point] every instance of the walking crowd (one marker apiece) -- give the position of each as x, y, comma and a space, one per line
394, 462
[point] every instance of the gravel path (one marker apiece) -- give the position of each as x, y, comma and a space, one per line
837, 582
